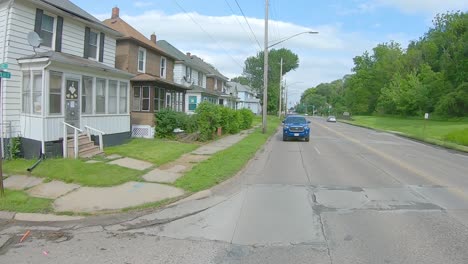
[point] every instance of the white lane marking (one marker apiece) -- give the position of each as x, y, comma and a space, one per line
316, 149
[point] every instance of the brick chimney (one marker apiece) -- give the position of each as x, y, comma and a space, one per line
153, 38
189, 54
115, 12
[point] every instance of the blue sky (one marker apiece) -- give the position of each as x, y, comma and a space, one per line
216, 30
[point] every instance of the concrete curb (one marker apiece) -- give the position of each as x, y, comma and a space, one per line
33, 217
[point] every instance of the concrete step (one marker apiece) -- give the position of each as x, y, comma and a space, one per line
91, 153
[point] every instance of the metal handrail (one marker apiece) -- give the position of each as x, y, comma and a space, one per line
100, 133
75, 139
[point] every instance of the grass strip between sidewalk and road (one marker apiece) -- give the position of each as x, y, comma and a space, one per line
451, 134
21, 202
74, 171
156, 151
226, 163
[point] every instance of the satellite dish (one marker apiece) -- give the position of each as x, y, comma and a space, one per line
34, 40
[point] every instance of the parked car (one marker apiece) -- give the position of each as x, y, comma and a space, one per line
296, 126
331, 119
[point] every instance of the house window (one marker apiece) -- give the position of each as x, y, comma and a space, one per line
123, 98
100, 96
221, 101
47, 30
145, 99
37, 93
159, 98
163, 68
93, 45
136, 105
26, 93
141, 59
192, 103
87, 95
200, 79
168, 101
112, 97
55, 93
188, 74
216, 84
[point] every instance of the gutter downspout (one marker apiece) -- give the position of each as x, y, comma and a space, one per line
44, 79
10, 5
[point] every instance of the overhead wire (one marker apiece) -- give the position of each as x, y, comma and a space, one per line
240, 24
206, 32
245, 18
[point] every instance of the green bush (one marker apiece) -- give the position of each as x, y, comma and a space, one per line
459, 137
167, 120
229, 120
246, 118
191, 126
208, 119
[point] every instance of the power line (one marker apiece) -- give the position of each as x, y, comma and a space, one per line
206, 32
253, 34
240, 24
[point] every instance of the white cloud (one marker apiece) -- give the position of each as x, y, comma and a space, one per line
142, 3
430, 7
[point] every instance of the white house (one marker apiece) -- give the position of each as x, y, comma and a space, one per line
69, 79
246, 97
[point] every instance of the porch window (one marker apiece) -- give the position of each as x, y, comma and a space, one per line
87, 95
112, 108
136, 105
55, 93
192, 103
141, 59
163, 68
37, 93
26, 93
145, 98
100, 96
123, 98
159, 98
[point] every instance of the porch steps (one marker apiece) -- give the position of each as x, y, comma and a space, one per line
86, 147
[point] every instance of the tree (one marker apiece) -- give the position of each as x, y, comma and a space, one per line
253, 73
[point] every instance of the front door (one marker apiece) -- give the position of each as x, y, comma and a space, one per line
72, 105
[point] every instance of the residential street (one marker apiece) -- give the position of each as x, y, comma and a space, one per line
350, 195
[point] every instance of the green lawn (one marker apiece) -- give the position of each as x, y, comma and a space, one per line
452, 132
157, 151
75, 171
226, 163
18, 201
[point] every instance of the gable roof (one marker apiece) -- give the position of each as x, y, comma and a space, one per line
212, 71
179, 55
241, 87
130, 32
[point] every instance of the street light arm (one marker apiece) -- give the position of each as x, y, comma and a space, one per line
290, 37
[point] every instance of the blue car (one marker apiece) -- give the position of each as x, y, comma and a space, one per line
296, 126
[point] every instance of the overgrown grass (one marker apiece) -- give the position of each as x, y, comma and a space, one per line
156, 151
18, 201
446, 133
75, 171
226, 163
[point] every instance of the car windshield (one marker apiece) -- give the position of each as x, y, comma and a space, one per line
295, 119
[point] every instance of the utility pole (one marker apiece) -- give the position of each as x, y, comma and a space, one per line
280, 87
286, 97
2, 190
265, 72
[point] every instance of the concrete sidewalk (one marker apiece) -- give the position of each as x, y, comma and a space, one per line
154, 188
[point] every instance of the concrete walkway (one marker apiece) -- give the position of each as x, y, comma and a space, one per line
79, 199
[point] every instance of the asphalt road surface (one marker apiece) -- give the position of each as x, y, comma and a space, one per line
350, 195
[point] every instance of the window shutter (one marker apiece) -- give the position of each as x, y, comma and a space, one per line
86, 42
101, 47
58, 34
38, 24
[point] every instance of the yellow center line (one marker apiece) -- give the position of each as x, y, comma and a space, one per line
433, 180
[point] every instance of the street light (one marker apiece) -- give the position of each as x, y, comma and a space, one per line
265, 65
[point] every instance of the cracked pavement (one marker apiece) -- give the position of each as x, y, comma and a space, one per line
350, 195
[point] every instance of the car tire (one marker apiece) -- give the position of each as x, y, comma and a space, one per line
285, 138
307, 139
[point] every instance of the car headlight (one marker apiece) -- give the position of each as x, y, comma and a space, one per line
306, 128
286, 127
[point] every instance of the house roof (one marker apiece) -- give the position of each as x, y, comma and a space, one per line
72, 60
130, 32
144, 77
196, 88
179, 55
240, 87
74, 10
212, 71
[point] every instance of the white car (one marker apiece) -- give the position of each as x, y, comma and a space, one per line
331, 119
